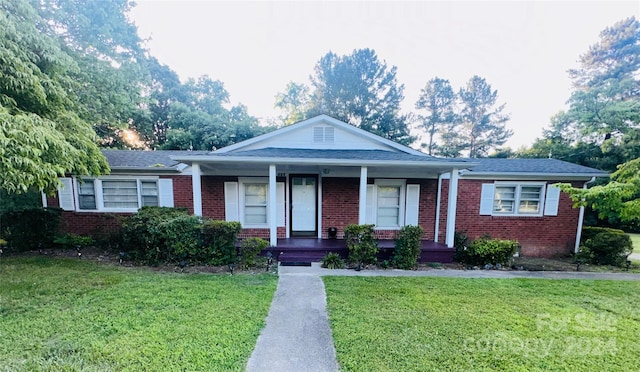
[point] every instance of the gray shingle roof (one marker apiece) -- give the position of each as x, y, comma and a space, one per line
145, 159
538, 166
382, 155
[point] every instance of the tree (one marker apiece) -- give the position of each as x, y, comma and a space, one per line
294, 102
358, 89
482, 124
41, 134
438, 99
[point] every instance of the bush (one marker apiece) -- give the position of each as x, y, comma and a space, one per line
148, 236
26, 229
181, 238
604, 246
490, 251
332, 261
461, 243
218, 241
407, 247
362, 244
71, 241
249, 250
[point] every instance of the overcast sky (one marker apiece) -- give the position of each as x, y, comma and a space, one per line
522, 48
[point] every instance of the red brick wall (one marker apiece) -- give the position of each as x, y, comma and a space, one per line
182, 192
97, 225
544, 236
340, 203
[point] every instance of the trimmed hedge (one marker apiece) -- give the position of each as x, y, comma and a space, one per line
407, 247
219, 241
26, 229
486, 250
250, 248
604, 246
362, 244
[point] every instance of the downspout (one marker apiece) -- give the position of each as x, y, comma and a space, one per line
581, 219
436, 233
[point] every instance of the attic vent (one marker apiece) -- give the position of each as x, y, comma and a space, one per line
323, 135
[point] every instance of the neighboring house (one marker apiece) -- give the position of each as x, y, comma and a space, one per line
300, 180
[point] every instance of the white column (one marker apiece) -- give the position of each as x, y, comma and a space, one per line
273, 216
196, 185
581, 220
362, 215
436, 234
451, 207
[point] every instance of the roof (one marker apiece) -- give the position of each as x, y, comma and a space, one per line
147, 160
495, 166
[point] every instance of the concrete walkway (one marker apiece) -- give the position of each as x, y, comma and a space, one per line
297, 336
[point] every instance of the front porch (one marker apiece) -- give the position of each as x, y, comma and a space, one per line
312, 250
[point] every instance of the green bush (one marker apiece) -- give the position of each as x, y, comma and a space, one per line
604, 246
250, 248
362, 244
218, 241
491, 251
407, 247
146, 235
71, 241
181, 238
332, 261
461, 243
26, 229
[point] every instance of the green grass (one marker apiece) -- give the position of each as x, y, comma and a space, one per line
445, 324
635, 240
61, 314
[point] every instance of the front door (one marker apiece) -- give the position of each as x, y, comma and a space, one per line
303, 205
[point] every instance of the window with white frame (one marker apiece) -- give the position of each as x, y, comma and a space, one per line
387, 204
117, 194
255, 203
518, 199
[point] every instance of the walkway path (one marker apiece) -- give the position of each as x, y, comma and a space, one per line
297, 336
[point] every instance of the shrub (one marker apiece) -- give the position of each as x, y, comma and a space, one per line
485, 250
604, 246
461, 243
249, 250
71, 241
362, 244
27, 229
180, 236
218, 241
407, 247
332, 261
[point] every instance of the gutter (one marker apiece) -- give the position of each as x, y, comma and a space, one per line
581, 219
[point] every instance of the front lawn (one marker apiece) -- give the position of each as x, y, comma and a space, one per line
438, 324
63, 314
635, 240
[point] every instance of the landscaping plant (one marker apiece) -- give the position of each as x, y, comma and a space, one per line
250, 248
604, 246
218, 241
30, 229
362, 244
407, 247
332, 260
486, 250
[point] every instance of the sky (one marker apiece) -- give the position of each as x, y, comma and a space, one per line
522, 48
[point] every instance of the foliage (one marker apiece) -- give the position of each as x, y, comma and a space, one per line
500, 325
362, 244
29, 228
358, 89
486, 250
332, 260
407, 247
17, 202
461, 243
71, 241
219, 239
250, 248
604, 246
438, 99
76, 315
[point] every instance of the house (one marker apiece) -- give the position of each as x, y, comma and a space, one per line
293, 184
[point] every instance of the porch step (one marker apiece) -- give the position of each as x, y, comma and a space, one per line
301, 256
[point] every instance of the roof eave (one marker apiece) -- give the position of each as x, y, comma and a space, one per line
536, 175
144, 169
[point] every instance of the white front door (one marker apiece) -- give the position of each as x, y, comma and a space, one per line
303, 205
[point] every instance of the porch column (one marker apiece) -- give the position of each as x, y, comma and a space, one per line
362, 214
196, 185
273, 205
451, 207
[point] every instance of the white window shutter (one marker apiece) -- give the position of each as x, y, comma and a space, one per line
412, 205
165, 192
231, 201
65, 194
553, 200
280, 203
486, 198
370, 217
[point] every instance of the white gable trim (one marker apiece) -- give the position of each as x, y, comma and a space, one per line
320, 119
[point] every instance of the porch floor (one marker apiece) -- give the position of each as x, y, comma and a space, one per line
313, 249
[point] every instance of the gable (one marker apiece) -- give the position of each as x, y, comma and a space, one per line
319, 133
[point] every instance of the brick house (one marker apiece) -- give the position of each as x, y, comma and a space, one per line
295, 183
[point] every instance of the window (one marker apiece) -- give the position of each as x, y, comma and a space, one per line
388, 206
521, 199
86, 195
387, 202
118, 194
255, 203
